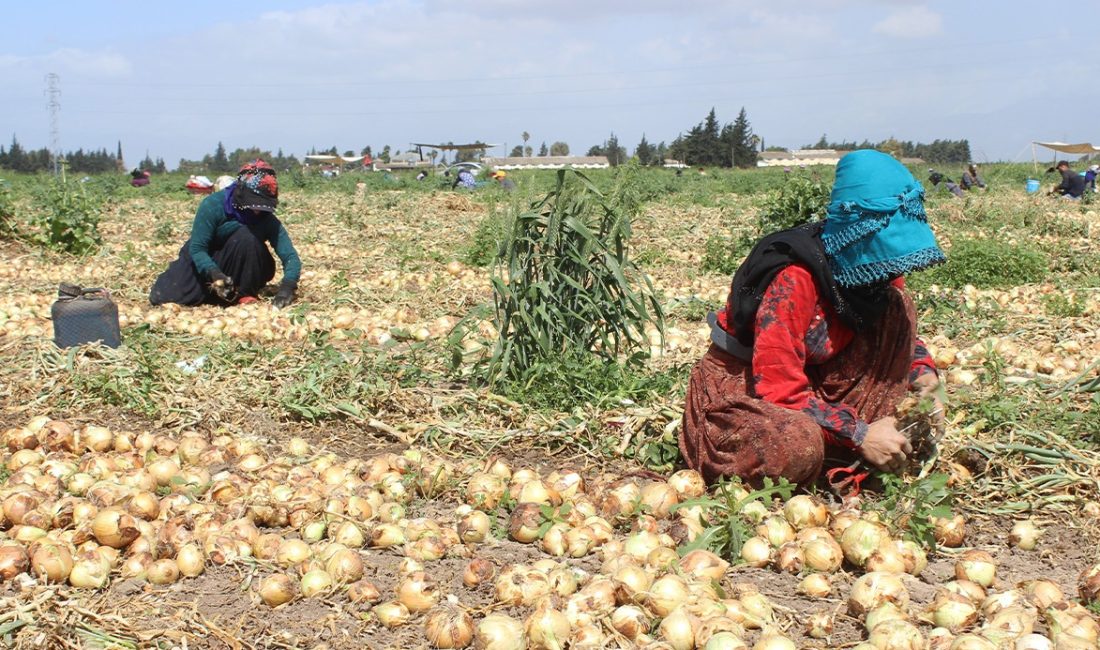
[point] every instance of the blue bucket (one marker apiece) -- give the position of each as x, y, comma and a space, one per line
1032, 186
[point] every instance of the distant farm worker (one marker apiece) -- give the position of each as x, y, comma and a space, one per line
502, 178
1072, 185
1090, 177
971, 178
817, 344
465, 179
936, 178
226, 260
139, 178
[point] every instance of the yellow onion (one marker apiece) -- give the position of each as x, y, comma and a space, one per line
662, 558
418, 592
391, 614
631, 582
363, 591
536, 491
822, 554
776, 530
873, 589
976, 566
819, 625
913, 556
484, 491
190, 560
386, 535
756, 552
449, 627
114, 527
815, 585
90, 573
755, 604
477, 571
1043, 593
725, 641
547, 629
563, 581
1033, 642
666, 594
887, 559
13, 560
50, 562
688, 484
315, 582
804, 511
886, 611
861, 539
630, 621
524, 523
1088, 584
345, 566
553, 540
347, 533
703, 564
897, 635
678, 629
579, 541
499, 632
754, 511
162, 572
1003, 600
1009, 624
641, 544
1024, 535
774, 641
96, 438
952, 611
520, 585
658, 498
136, 565
473, 528
949, 532
587, 637
972, 642
790, 558
1071, 620
973, 591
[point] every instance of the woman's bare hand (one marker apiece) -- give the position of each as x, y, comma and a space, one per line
884, 447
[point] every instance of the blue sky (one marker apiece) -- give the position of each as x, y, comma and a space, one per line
174, 79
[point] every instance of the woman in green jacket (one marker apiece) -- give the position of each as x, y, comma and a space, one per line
226, 260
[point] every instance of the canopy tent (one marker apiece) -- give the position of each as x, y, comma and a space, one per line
475, 146
1080, 148
333, 160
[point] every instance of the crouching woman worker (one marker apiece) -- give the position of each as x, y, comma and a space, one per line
817, 343
226, 260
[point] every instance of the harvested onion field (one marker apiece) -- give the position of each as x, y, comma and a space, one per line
328, 476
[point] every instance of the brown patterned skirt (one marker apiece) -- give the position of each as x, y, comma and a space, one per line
728, 432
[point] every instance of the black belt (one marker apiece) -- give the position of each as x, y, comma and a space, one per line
728, 344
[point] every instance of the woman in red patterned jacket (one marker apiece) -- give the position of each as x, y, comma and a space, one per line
817, 343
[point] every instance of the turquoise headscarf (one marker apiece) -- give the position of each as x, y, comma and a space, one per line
875, 225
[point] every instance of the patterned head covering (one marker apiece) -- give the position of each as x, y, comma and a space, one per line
875, 225
256, 188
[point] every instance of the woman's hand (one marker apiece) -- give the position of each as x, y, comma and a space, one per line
884, 447
928, 386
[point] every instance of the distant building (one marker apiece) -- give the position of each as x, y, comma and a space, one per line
547, 162
798, 158
675, 164
407, 160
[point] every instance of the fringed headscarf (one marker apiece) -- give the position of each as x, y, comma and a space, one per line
875, 226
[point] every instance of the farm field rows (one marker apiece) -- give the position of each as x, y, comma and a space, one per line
336, 440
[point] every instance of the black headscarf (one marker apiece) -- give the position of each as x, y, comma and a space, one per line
858, 307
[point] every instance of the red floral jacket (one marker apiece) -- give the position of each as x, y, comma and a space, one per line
795, 328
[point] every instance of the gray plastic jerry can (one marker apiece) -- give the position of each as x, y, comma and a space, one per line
84, 316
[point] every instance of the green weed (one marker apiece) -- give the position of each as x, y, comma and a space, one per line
729, 528
912, 506
69, 218
799, 200
987, 264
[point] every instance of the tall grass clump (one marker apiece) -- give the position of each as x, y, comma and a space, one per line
68, 220
987, 264
8, 228
798, 200
565, 289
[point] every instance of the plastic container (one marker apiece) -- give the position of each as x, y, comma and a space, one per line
1032, 186
84, 316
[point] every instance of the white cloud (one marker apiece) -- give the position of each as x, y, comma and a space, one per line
911, 22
